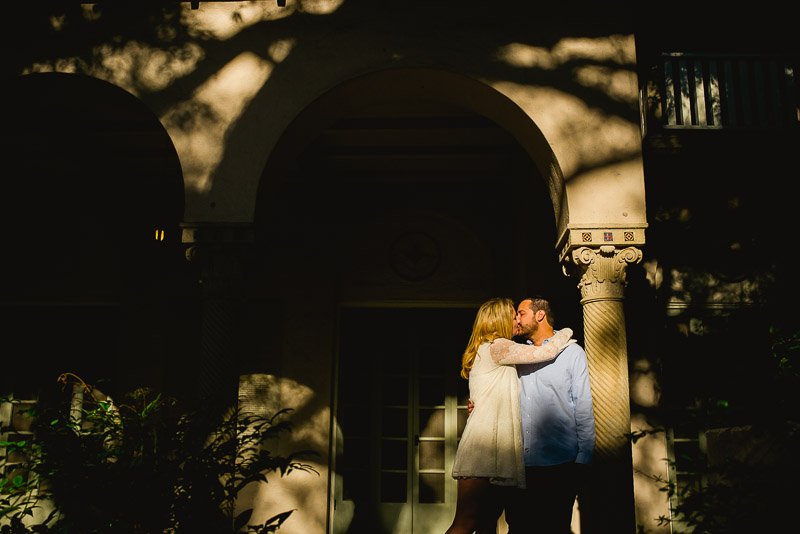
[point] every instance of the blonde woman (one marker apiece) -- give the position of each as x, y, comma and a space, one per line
490, 451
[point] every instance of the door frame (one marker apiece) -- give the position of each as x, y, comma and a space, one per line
335, 481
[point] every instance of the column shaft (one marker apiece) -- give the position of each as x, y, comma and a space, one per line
606, 503
606, 349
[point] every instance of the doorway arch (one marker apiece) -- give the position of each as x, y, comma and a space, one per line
408, 197
382, 88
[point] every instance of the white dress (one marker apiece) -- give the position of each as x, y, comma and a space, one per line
491, 445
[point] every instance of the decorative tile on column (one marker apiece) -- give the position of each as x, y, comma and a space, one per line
600, 236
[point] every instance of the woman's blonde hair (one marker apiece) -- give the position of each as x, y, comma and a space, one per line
495, 319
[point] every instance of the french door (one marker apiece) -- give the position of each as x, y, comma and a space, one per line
401, 407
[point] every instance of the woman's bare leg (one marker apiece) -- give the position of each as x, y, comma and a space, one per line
491, 510
473, 498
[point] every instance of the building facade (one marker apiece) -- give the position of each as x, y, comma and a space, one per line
301, 204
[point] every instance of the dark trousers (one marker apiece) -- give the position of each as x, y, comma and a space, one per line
545, 505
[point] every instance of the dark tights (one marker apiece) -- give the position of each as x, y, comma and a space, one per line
476, 509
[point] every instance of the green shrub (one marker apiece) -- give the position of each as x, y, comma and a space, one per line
145, 466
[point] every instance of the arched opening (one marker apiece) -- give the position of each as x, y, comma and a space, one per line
94, 197
389, 210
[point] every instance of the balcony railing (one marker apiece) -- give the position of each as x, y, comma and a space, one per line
700, 91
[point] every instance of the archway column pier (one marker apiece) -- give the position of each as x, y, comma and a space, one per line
607, 504
219, 251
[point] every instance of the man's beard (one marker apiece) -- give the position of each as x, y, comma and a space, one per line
528, 332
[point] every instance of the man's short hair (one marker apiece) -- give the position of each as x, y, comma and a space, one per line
540, 303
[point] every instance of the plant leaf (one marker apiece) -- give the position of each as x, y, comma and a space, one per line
5, 511
275, 522
242, 519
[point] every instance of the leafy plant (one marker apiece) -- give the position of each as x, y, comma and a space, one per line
751, 483
737, 497
145, 466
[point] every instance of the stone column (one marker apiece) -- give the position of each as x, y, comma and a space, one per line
607, 505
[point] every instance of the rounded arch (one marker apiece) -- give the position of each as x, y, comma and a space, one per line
80, 119
412, 141
92, 181
387, 86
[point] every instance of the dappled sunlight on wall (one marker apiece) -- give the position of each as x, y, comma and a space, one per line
211, 74
264, 394
616, 49
316, 7
583, 135
299, 491
136, 67
526, 56
590, 120
654, 273
144, 67
199, 126
219, 20
620, 85
304, 492
139, 67
650, 473
688, 287
645, 389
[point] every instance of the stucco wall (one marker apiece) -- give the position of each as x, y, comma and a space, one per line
227, 79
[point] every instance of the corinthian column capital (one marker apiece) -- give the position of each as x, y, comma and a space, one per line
603, 270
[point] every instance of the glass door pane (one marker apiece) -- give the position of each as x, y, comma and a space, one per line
441, 336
